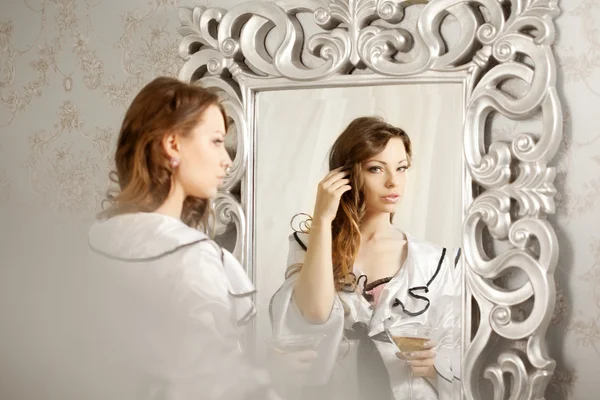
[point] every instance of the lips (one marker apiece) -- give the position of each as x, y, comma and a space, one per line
391, 198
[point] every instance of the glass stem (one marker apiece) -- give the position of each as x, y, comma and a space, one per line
410, 378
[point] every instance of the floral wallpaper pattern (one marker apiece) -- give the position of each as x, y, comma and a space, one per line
575, 333
69, 68
77, 54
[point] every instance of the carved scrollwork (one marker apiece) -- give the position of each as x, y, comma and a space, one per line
228, 209
499, 41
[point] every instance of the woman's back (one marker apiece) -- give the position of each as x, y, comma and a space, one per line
167, 326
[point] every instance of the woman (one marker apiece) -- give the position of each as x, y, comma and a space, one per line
171, 303
352, 275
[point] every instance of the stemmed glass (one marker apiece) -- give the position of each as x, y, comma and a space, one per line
291, 343
285, 368
410, 338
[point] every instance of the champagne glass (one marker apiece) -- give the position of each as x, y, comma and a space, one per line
285, 369
410, 338
291, 343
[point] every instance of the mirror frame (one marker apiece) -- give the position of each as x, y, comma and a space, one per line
508, 186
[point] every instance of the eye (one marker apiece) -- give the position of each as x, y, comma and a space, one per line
375, 169
402, 168
218, 141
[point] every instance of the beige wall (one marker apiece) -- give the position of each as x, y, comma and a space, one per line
68, 68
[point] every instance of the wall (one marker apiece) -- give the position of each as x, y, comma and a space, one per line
67, 71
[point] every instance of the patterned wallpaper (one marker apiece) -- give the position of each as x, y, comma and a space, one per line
77, 64
68, 69
575, 333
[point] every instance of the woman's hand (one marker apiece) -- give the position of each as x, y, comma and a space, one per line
421, 361
330, 190
291, 368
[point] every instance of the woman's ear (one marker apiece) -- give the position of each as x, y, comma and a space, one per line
170, 143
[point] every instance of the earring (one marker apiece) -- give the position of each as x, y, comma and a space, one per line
175, 162
228, 170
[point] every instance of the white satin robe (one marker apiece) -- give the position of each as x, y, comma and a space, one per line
170, 307
337, 357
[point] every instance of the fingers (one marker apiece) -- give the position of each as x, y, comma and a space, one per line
334, 176
421, 362
335, 171
342, 190
331, 173
297, 362
338, 184
428, 362
417, 355
417, 362
422, 371
305, 356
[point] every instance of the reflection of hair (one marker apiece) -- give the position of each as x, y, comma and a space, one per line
364, 138
143, 171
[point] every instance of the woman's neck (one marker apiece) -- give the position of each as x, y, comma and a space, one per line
375, 225
173, 205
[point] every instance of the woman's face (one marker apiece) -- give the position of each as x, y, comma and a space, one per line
384, 177
203, 158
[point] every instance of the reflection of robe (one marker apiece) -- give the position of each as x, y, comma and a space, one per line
169, 308
402, 300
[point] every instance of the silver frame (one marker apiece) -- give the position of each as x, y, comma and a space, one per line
361, 43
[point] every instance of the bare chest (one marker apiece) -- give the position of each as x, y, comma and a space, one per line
381, 260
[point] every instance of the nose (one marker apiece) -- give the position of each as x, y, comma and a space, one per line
390, 181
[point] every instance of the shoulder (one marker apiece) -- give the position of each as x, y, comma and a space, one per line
204, 257
423, 246
212, 263
428, 255
142, 236
205, 254
201, 272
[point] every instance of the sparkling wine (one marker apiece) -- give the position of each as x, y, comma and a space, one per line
407, 344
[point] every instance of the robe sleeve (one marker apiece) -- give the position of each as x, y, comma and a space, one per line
445, 315
211, 364
286, 317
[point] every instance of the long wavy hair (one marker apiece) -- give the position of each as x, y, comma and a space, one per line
143, 173
362, 139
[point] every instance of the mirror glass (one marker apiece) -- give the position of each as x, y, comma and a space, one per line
295, 130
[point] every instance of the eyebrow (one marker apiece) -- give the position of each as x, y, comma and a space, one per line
384, 163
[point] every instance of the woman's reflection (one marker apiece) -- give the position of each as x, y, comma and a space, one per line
356, 278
